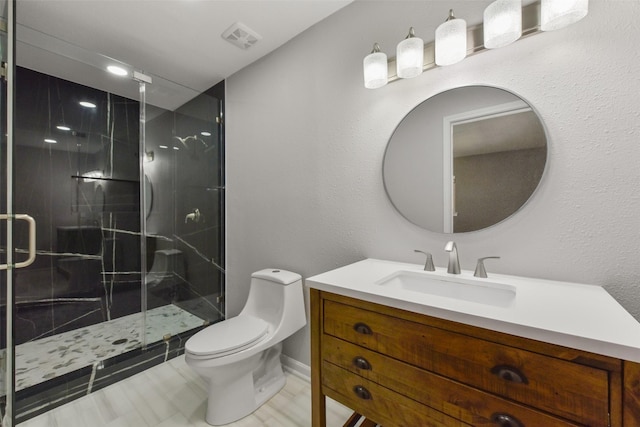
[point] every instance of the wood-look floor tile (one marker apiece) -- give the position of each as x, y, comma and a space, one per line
172, 395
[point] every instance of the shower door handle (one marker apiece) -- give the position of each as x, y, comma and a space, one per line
32, 241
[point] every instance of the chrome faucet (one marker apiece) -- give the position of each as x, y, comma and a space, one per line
428, 264
193, 216
454, 263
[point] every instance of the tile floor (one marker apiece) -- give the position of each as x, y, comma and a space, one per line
172, 395
40, 360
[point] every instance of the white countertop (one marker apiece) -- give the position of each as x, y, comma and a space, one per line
584, 317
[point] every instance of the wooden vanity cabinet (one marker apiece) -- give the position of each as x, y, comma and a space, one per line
400, 368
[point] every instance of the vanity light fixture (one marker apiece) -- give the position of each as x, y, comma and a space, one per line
376, 72
505, 21
556, 14
451, 40
502, 23
410, 56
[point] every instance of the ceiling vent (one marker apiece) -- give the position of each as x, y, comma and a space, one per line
241, 36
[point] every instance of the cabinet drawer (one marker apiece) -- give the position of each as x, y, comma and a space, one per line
457, 400
570, 390
379, 403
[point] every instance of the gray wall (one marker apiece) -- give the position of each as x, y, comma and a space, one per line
305, 142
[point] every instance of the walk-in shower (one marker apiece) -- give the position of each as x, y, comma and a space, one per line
128, 201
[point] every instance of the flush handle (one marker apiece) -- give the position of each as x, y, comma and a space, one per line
362, 392
509, 373
361, 363
505, 420
362, 328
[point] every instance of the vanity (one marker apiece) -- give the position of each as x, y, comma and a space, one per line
406, 347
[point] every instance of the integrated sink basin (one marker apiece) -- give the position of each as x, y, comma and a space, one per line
478, 291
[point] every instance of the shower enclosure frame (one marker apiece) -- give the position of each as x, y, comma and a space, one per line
155, 349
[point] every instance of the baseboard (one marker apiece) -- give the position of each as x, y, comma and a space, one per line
295, 367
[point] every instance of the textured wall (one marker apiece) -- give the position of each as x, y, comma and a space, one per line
305, 143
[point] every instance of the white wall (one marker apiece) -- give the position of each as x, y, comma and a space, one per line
305, 143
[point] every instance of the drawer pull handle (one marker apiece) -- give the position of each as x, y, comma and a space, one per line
361, 363
509, 373
505, 420
362, 328
362, 392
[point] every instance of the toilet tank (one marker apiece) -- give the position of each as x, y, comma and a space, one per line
276, 296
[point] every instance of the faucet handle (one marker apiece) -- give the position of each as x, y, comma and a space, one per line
428, 265
480, 270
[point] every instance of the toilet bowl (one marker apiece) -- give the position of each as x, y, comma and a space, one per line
167, 268
240, 356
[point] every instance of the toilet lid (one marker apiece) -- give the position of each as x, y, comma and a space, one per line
227, 336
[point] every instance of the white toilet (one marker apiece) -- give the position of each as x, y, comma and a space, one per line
240, 357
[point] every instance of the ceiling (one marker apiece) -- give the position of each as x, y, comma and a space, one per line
177, 42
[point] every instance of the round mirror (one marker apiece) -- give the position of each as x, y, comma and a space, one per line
465, 159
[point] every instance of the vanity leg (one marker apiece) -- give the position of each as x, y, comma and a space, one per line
318, 401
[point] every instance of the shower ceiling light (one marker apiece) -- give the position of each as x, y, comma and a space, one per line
117, 70
87, 104
556, 14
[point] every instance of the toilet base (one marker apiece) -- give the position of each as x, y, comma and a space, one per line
230, 401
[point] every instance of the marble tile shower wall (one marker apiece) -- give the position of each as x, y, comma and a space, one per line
83, 191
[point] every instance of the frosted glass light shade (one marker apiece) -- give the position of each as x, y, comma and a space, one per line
451, 41
376, 73
502, 23
556, 14
410, 57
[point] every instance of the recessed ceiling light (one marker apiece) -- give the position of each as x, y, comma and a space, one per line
118, 71
50, 141
87, 104
63, 127
205, 133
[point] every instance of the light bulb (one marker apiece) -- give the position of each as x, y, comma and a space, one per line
451, 41
410, 56
375, 68
502, 23
556, 14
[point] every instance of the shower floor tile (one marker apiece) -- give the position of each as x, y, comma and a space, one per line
44, 359
172, 395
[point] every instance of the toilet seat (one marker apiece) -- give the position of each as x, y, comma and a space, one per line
226, 337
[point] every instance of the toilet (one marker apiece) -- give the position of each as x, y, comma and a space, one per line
240, 356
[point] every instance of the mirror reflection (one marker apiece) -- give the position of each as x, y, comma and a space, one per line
465, 159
